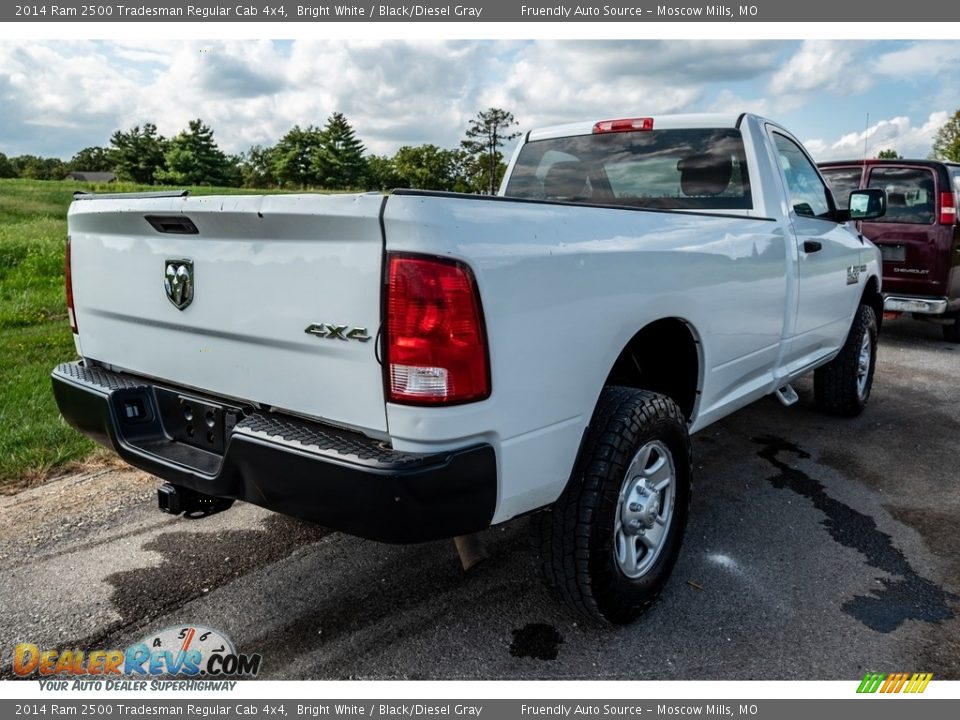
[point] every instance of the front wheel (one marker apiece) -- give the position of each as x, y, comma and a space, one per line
951, 332
608, 545
842, 386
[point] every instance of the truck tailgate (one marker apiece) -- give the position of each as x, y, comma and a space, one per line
264, 269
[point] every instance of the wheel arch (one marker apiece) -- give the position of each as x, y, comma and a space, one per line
664, 356
872, 297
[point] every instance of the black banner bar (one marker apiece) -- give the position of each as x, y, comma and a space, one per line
230, 707
326, 11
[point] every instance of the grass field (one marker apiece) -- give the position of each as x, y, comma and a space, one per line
34, 334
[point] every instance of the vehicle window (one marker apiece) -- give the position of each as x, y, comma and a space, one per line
842, 182
955, 175
808, 194
910, 194
669, 169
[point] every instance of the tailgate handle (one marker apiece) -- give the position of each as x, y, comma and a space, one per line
172, 224
811, 246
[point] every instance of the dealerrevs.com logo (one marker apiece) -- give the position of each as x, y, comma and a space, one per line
202, 656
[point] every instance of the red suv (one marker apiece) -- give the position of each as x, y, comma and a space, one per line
918, 236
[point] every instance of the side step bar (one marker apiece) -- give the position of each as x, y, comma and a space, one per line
787, 395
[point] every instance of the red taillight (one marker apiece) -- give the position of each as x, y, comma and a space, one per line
436, 349
68, 281
625, 125
948, 208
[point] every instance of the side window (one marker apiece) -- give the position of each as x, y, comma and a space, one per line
808, 195
910, 194
842, 182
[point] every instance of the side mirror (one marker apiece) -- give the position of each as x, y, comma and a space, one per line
865, 205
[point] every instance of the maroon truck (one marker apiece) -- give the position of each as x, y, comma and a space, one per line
918, 236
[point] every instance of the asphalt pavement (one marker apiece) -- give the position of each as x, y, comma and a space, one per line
818, 549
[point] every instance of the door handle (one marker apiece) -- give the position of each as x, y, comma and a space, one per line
812, 246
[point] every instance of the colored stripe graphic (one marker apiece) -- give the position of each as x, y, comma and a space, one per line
923, 681
894, 683
870, 683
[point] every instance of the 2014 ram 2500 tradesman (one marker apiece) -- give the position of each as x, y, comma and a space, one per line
423, 365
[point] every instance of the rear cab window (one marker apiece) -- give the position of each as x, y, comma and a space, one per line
683, 169
911, 194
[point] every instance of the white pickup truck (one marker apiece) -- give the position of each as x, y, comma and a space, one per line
422, 365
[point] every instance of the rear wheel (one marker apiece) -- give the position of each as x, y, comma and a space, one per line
842, 386
608, 545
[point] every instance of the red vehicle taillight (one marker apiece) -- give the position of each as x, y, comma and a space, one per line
436, 347
948, 208
68, 281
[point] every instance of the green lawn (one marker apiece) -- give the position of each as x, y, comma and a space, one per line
34, 334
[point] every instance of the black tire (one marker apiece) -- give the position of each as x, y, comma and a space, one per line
951, 333
578, 537
841, 387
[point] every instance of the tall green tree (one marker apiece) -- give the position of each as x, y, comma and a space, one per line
39, 168
193, 158
7, 169
233, 176
382, 173
487, 133
93, 159
290, 160
338, 162
255, 168
139, 153
946, 143
889, 154
429, 167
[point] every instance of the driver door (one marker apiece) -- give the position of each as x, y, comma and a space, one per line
828, 259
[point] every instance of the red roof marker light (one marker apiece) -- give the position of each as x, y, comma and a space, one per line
625, 125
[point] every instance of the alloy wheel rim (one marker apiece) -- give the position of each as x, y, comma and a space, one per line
645, 509
863, 365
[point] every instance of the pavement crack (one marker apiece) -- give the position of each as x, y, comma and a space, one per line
904, 596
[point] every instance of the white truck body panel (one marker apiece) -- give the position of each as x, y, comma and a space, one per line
579, 303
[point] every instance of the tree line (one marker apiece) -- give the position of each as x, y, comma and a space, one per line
330, 157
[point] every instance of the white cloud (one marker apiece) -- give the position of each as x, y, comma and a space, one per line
898, 133
920, 60
819, 65
727, 102
59, 97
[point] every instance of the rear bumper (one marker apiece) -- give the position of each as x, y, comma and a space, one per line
915, 304
342, 480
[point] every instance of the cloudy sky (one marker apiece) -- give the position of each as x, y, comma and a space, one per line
60, 96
